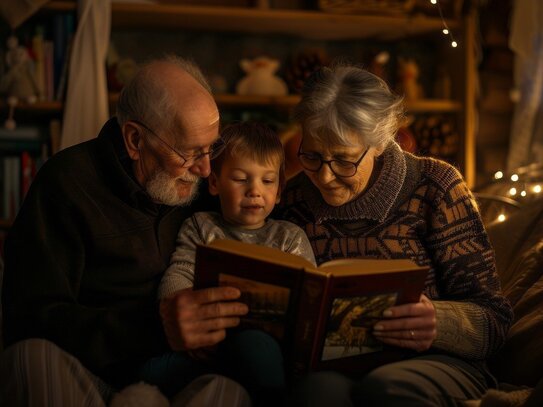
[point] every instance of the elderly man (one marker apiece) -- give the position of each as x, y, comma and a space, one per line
95, 233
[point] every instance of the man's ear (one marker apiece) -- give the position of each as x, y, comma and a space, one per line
212, 184
132, 140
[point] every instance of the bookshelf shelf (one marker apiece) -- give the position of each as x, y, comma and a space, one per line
289, 101
233, 100
310, 24
43, 107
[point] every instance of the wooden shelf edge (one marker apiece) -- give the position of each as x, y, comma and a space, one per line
312, 24
433, 105
45, 107
289, 101
234, 100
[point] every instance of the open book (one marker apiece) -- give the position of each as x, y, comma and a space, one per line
322, 316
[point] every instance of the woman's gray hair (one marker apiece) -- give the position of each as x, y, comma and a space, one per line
344, 99
147, 99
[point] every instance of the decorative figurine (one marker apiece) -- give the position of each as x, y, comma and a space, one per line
18, 83
260, 78
408, 75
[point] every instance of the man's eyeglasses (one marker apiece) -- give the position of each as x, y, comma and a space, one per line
341, 168
188, 161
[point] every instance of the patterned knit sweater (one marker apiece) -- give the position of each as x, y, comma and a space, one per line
417, 208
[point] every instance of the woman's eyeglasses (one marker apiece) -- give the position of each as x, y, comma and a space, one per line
188, 160
341, 168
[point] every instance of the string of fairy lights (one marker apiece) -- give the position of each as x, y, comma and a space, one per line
523, 181
445, 29
522, 185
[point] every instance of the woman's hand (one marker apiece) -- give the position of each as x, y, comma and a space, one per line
410, 326
195, 319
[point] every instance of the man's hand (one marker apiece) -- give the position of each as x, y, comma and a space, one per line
194, 319
410, 326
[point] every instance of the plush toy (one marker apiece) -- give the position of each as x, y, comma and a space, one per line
18, 82
260, 78
408, 75
139, 395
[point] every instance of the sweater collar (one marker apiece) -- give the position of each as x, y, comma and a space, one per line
119, 167
375, 202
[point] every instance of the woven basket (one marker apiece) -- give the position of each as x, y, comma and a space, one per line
366, 6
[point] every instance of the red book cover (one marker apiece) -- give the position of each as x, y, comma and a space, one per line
27, 172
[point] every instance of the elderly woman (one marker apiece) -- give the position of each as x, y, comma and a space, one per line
360, 195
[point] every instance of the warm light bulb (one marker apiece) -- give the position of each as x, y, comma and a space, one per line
498, 175
523, 193
445, 31
514, 177
454, 44
501, 218
537, 189
513, 191
433, 1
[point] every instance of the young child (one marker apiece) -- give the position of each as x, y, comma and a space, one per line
247, 177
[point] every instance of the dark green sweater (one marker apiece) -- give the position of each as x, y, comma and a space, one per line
85, 256
421, 209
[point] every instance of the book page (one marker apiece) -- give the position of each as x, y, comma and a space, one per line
367, 266
350, 323
269, 254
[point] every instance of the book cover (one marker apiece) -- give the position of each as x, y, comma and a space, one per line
322, 316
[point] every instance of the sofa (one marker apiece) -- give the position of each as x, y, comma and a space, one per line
518, 243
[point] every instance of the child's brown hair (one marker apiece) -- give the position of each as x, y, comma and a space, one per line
254, 140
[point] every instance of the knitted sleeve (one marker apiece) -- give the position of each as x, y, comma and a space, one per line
299, 243
472, 315
180, 273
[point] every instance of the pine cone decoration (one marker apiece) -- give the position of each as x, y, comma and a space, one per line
437, 137
303, 65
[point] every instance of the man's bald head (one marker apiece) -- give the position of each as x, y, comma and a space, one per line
161, 92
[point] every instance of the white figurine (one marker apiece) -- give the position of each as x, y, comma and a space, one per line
18, 82
261, 78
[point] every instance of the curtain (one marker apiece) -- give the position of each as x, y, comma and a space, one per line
86, 108
526, 40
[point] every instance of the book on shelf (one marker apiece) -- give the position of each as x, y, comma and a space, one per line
323, 316
11, 186
22, 138
21, 133
65, 35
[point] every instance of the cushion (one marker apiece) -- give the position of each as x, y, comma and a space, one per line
518, 243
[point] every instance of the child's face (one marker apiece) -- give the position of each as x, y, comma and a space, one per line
248, 190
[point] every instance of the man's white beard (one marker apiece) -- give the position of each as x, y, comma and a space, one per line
162, 188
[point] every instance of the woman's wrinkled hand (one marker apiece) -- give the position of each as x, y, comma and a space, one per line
411, 326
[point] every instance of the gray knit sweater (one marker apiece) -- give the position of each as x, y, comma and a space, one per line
204, 227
